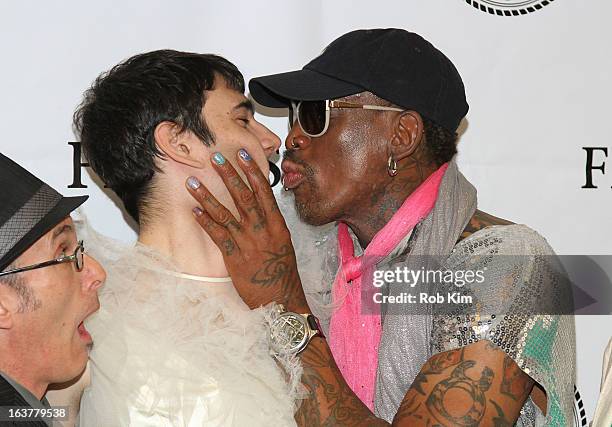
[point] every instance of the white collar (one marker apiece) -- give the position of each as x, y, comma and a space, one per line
199, 278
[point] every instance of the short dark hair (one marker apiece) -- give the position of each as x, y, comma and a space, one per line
117, 118
440, 143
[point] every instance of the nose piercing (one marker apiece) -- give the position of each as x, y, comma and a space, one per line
294, 144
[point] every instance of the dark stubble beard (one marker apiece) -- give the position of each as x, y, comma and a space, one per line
310, 210
316, 209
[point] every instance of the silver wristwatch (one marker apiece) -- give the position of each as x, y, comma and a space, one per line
291, 332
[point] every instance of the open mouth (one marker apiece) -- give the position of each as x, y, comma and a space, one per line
84, 334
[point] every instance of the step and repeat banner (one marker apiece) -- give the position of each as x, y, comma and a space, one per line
536, 142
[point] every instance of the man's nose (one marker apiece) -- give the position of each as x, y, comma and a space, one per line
94, 275
296, 139
269, 141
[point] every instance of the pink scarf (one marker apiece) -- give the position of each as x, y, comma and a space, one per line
354, 336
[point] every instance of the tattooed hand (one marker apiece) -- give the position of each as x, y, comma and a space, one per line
257, 249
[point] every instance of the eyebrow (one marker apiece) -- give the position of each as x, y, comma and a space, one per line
66, 228
246, 104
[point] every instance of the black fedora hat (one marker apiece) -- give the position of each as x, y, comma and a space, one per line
29, 208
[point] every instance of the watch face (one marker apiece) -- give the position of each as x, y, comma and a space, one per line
288, 333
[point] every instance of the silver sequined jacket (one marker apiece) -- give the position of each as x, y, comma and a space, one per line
523, 306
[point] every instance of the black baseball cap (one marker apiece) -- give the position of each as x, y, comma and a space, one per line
394, 64
29, 209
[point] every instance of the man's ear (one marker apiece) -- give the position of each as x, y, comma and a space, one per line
179, 146
6, 315
407, 134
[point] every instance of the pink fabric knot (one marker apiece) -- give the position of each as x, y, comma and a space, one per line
351, 268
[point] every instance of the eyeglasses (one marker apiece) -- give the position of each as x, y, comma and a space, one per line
77, 258
313, 116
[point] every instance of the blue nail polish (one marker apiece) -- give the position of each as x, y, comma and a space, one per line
244, 155
197, 211
193, 183
218, 158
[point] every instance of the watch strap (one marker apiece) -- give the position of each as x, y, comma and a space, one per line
315, 325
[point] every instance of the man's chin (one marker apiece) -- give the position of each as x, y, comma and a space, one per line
71, 376
308, 214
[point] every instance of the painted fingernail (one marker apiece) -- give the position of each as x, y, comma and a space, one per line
244, 155
218, 158
197, 211
193, 183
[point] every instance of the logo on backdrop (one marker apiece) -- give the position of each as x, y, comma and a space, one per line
508, 7
78, 165
595, 162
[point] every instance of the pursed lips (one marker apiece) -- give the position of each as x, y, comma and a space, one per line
292, 174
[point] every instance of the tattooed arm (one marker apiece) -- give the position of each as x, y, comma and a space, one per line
477, 385
331, 402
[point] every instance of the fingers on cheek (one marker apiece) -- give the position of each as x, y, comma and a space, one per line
213, 229
204, 219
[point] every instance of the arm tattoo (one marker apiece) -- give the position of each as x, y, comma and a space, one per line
514, 384
500, 420
331, 402
472, 386
436, 365
471, 392
278, 270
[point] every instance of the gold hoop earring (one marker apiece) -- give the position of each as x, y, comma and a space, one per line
391, 166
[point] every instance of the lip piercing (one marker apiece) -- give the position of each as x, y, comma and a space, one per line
286, 188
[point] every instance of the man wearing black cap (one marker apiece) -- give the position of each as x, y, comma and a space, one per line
48, 287
371, 148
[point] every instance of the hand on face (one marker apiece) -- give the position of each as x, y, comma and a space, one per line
230, 117
257, 249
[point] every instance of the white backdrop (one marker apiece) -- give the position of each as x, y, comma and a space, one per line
538, 87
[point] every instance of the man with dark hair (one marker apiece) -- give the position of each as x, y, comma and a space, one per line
136, 95
48, 287
371, 148
176, 345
